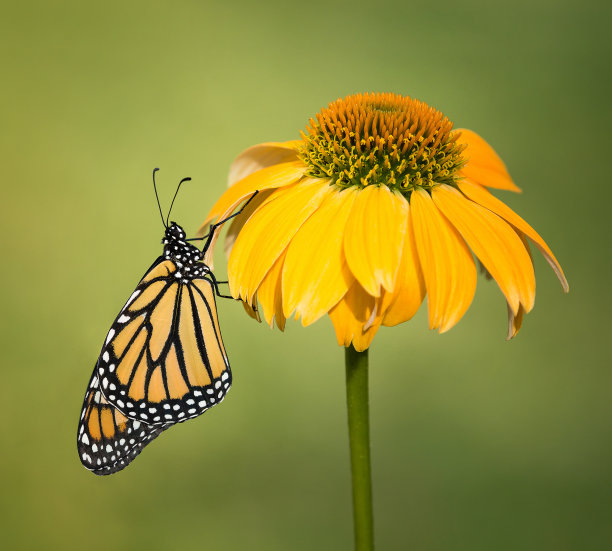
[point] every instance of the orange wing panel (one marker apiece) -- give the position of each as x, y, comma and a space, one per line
125, 368
163, 269
161, 321
176, 384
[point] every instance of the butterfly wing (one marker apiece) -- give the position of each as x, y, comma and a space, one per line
107, 440
163, 360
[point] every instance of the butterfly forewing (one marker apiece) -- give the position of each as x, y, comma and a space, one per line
108, 441
163, 360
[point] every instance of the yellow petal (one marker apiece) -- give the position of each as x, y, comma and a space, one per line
344, 323
250, 206
352, 314
494, 242
483, 197
374, 237
238, 223
447, 264
316, 276
261, 156
484, 165
270, 294
268, 231
274, 176
409, 291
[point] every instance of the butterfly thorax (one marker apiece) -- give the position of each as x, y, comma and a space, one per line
188, 258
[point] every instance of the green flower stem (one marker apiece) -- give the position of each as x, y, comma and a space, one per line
359, 439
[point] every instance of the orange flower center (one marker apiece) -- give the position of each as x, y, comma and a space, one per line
387, 139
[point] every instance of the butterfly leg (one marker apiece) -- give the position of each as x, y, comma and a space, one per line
216, 283
213, 227
238, 212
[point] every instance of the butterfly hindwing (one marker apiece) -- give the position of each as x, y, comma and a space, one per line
108, 441
163, 360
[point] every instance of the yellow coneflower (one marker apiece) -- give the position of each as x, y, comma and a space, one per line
378, 204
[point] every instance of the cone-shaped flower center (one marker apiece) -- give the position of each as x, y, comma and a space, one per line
382, 139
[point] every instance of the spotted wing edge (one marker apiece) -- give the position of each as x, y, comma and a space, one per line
108, 455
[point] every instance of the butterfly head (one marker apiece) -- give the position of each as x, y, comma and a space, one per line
186, 257
174, 233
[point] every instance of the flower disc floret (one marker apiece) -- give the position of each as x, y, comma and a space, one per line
382, 138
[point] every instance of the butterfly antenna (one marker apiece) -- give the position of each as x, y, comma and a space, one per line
157, 197
175, 194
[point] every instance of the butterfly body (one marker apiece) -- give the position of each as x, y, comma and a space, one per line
186, 257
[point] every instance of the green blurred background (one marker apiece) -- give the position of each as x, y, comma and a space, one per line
478, 444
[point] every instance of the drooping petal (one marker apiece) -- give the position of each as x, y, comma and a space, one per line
494, 242
483, 197
275, 176
261, 156
374, 237
448, 267
484, 166
514, 321
356, 318
238, 222
316, 275
270, 294
344, 322
251, 309
406, 298
236, 225
278, 175
268, 231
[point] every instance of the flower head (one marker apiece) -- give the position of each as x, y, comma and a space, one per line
379, 204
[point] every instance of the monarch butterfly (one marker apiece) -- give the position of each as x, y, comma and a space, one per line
163, 360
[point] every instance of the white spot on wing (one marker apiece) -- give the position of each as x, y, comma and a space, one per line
134, 295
